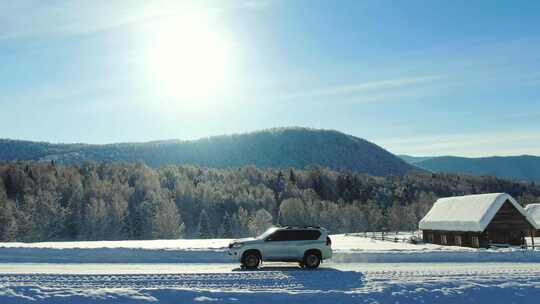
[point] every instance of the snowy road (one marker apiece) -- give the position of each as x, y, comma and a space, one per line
333, 283
362, 270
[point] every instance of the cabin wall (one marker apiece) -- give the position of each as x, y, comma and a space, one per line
508, 226
456, 238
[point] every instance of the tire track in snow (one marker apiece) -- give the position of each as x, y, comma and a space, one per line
451, 279
256, 281
347, 279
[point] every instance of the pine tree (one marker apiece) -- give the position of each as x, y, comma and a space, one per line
235, 226
292, 177
226, 226
167, 222
94, 220
204, 226
243, 221
116, 216
374, 216
396, 217
8, 226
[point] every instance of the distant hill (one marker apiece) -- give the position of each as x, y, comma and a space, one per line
278, 148
413, 159
524, 167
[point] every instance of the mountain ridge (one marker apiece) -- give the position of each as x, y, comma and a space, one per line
520, 167
284, 147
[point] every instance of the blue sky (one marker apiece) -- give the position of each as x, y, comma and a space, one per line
416, 77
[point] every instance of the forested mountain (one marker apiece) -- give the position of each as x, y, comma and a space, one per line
274, 148
524, 167
224, 186
42, 201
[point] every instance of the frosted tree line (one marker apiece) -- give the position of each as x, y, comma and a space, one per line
113, 201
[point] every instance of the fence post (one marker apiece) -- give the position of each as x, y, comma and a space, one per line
532, 238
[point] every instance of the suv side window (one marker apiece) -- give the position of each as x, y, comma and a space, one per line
294, 235
277, 236
306, 235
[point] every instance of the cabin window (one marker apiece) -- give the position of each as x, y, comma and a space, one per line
443, 239
457, 240
430, 237
475, 242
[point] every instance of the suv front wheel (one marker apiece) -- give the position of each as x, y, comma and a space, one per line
311, 260
251, 260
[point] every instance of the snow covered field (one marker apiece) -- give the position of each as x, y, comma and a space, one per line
193, 271
334, 283
347, 248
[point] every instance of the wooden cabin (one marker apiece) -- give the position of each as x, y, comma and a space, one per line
533, 210
480, 220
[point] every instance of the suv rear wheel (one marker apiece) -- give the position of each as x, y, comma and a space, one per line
251, 260
311, 260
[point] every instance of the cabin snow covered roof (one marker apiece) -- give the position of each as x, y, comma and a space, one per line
468, 213
534, 212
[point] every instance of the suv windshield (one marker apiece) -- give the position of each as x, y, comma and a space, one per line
267, 233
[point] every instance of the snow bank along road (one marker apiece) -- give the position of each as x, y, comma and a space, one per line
192, 271
333, 283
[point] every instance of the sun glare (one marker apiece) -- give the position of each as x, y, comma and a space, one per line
187, 58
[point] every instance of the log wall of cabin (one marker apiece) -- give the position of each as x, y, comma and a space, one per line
466, 238
508, 226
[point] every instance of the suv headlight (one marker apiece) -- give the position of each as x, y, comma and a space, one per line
237, 245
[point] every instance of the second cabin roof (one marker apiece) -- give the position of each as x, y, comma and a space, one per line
534, 212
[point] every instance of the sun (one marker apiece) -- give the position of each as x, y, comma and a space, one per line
187, 58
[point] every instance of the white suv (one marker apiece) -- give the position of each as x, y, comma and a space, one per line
307, 245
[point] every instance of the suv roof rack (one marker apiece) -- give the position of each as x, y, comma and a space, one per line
298, 227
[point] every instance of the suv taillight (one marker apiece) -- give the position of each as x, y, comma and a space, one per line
328, 241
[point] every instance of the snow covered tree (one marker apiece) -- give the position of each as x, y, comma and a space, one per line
374, 216
293, 212
94, 225
44, 218
226, 230
204, 226
116, 213
261, 221
396, 218
167, 222
8, 226
292, 176
329, 215
423, 204
235, 226
243, 221
41, 202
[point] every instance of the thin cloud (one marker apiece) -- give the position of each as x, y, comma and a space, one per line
373, 87
533, 80
256, 4
67, 18
469, 145
31, 19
